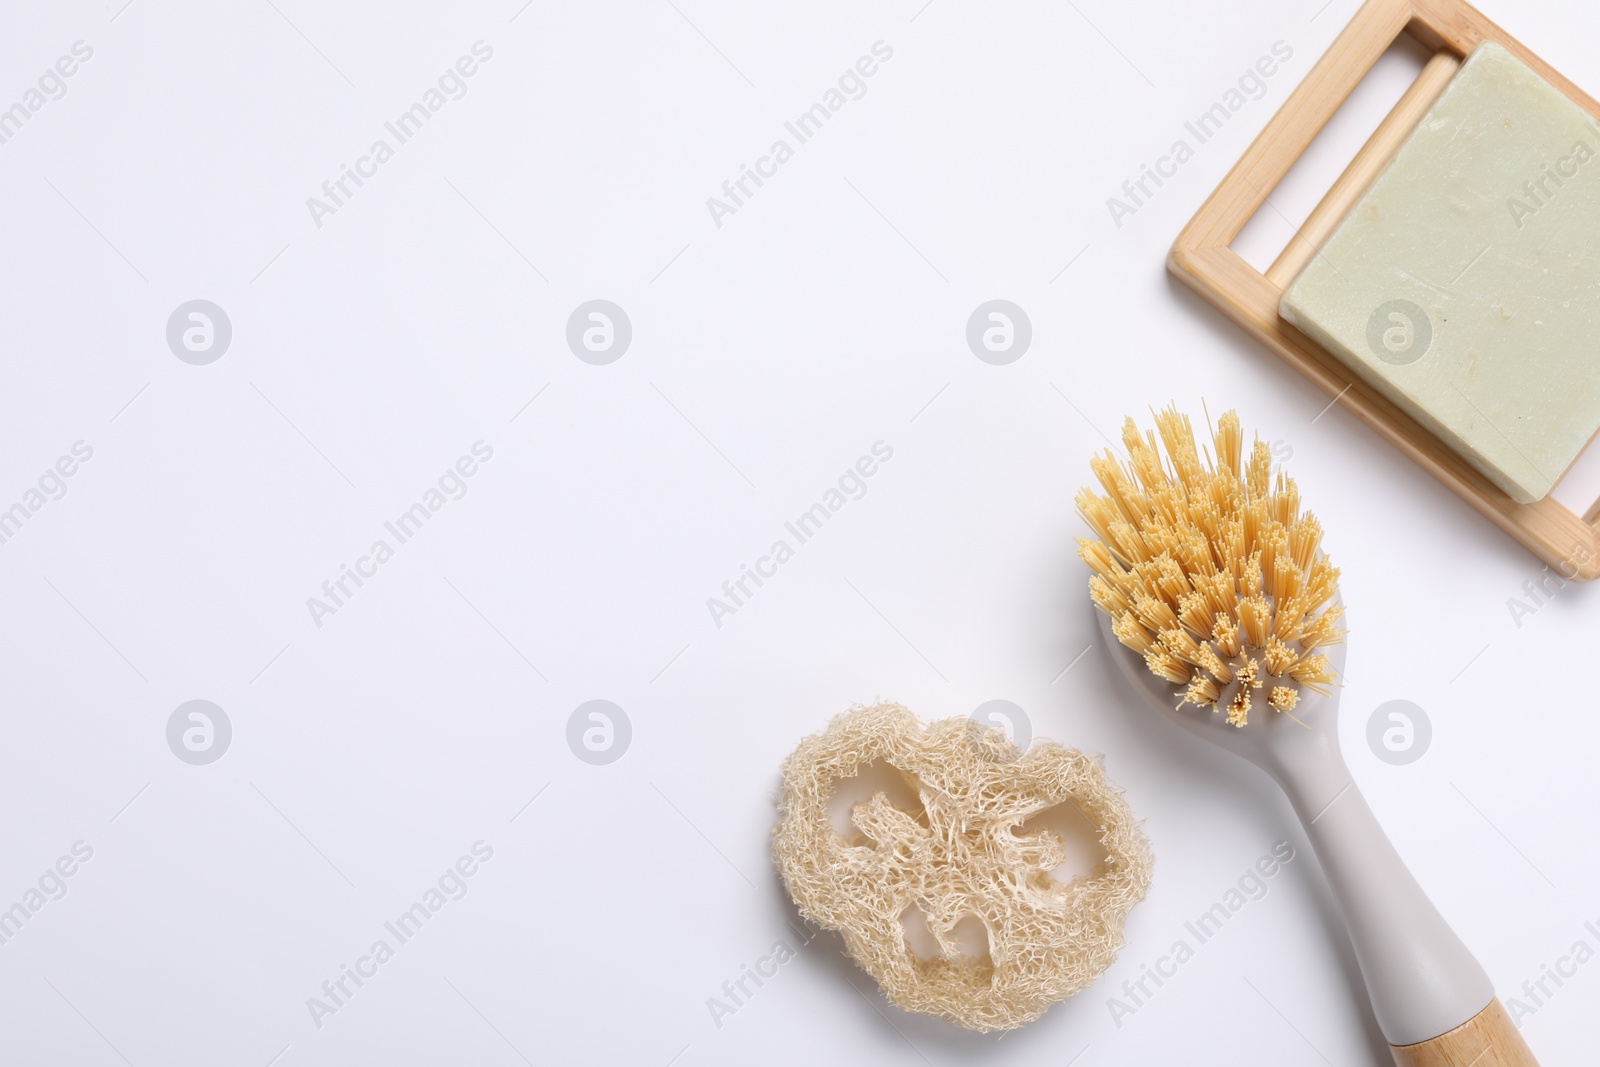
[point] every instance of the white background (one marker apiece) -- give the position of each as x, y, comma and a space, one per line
768, 354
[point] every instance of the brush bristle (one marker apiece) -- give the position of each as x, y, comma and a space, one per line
1209, 568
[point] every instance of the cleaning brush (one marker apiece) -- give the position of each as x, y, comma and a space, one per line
1217, 600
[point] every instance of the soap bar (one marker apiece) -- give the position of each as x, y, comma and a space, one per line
1465, 283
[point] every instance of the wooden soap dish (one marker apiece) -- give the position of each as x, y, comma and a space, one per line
1203, 258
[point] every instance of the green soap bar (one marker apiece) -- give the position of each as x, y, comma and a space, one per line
1465, 284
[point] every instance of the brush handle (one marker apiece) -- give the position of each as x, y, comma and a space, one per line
1488, 1038
1432, 999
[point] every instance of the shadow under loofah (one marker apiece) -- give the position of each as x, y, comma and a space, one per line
964, 856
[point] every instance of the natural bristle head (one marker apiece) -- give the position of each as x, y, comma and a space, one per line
1209, 568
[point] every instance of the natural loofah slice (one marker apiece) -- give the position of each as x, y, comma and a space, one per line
1210, 570
964, 854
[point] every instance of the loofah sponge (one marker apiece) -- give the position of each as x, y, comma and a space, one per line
964, 854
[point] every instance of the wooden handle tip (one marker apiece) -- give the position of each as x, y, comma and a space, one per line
1488, 1039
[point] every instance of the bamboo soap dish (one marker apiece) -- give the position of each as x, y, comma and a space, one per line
1471, 413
